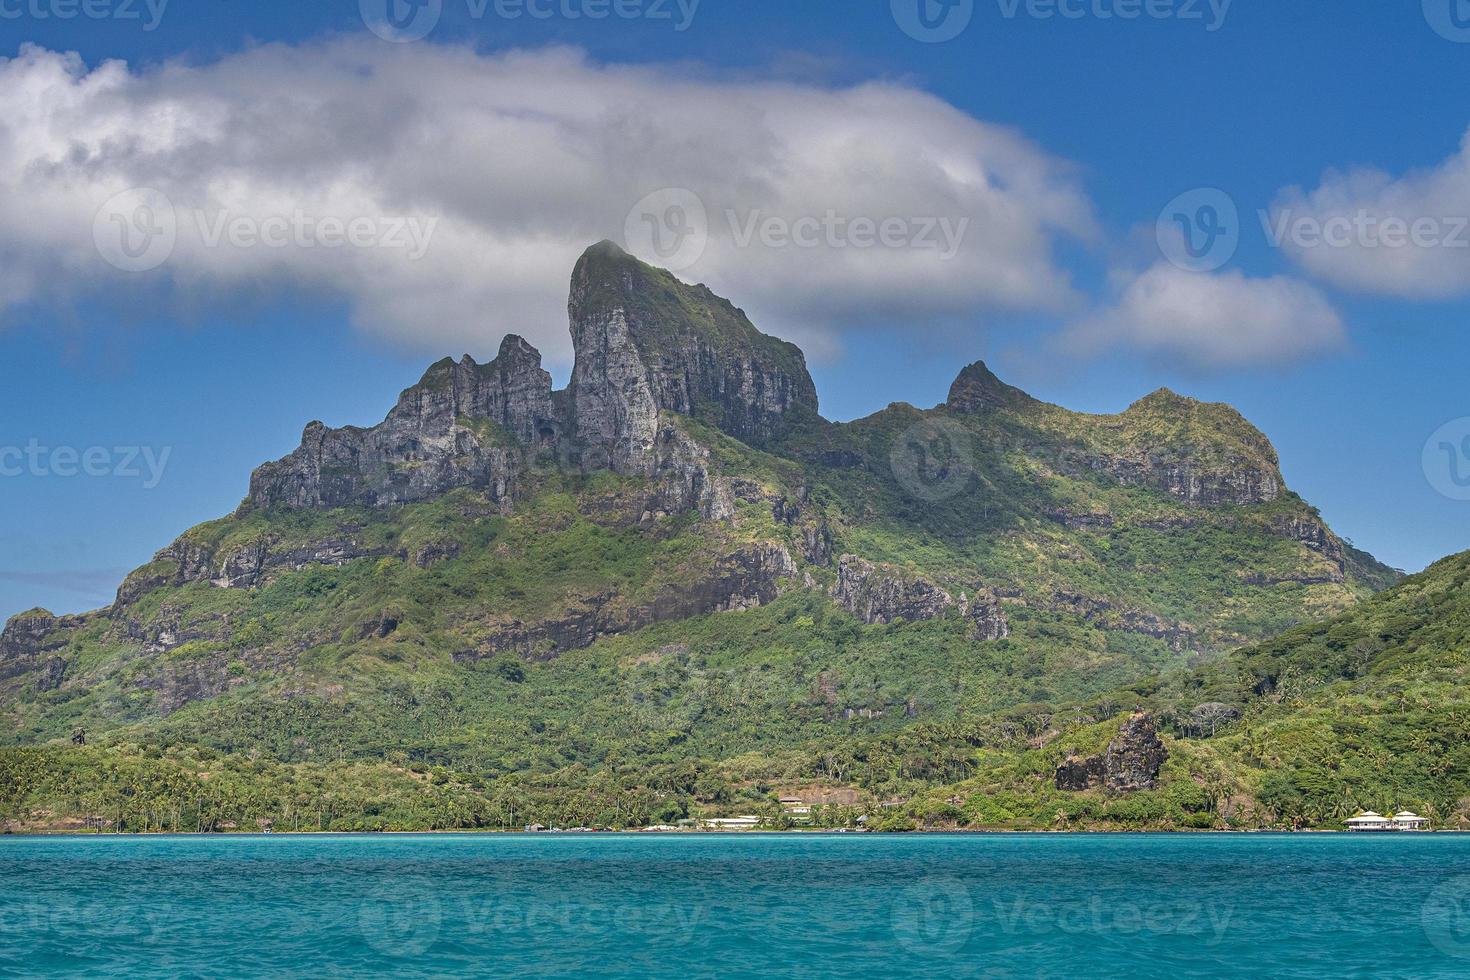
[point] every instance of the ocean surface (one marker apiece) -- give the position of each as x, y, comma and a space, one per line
742, 905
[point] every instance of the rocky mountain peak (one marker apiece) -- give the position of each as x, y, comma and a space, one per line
603, 255
978, 390
646, 342
456, 427
649, 346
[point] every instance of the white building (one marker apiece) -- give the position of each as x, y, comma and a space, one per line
1403, 820
796, 808
1409, 820
747, 822
1369, 821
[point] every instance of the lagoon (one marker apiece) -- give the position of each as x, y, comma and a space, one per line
746, 905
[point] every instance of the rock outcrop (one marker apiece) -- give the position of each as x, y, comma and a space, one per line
977, 390
745, 579
1239, 482
463, 425
1130, 763
1077, 773
883, 594
1133, 759
1309, 531
648, 348
1102, 614
244, 567
29, 641
1202, 454
646, 342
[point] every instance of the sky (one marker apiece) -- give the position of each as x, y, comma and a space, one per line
221, 221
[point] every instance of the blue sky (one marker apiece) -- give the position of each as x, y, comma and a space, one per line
1348, 358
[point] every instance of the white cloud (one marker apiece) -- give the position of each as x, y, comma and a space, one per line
1366, 231
523, 159
1213, 321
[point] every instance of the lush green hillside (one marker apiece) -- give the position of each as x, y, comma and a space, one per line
1369, 710
1366, 710
502, 589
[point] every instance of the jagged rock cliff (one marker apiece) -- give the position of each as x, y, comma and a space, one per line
1131, 762
1133, 759
745, 579
1205, 455
462, 425
883, 594
646, 345
30, 641
647, 342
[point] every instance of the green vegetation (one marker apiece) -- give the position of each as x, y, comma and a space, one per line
1363, 711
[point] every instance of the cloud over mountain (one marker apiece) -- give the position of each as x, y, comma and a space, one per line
441, 193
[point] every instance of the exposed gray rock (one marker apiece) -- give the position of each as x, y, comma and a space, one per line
884, 593
383, 625
185, 560
987, 615
1310, 531
646, 342
245, 567
165, 630
750, 577
648, 349
1134, 758
1076, 773
682, 477
53, 672
1240, 482
1081, 522
462, 425
29, 637
816, 543
816, 535
978, 391
1101, 613
1131, 762
429, 555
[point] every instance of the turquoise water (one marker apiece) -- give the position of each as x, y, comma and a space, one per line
738, 905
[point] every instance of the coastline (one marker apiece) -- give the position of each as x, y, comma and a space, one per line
814, 832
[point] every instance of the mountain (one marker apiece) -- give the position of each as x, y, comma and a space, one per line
676, 562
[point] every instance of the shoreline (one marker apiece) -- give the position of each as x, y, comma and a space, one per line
574, 834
